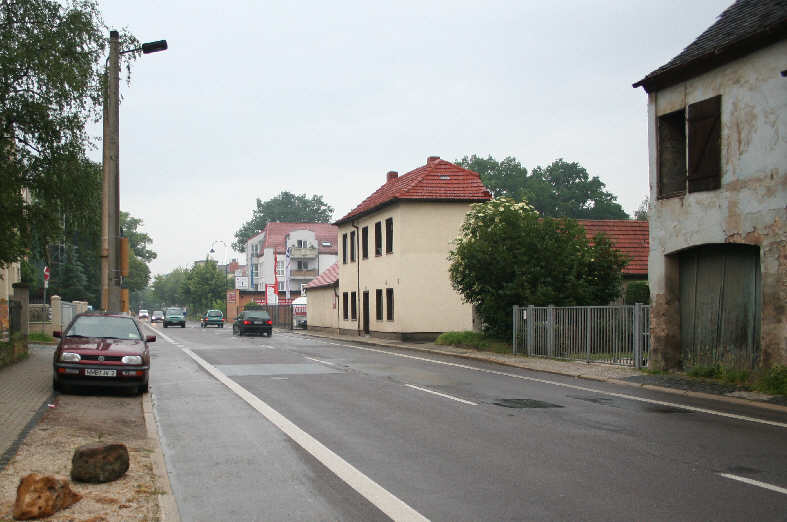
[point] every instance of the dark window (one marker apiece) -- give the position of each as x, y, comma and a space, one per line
378, 238
389, 304
672, 154
379, 303
344, 305
344, 249
352, 246
389, 235
704, 122
365, 242
353, 306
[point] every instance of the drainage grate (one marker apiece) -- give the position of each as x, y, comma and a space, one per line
525, 403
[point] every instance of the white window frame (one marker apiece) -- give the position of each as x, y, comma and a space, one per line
280, 268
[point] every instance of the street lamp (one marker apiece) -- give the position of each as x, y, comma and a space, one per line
111, 263
226, 272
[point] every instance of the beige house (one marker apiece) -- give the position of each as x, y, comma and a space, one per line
322, 307
393, 254
717, 136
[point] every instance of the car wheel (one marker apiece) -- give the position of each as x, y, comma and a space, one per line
165, 325
221, 326
144, 388
183, 325
56, 385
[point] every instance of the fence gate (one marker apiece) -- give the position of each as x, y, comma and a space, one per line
67, 313
281, 315
609, 334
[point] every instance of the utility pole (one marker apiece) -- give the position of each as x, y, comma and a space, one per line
110, 222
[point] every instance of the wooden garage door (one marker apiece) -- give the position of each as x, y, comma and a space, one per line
720, 306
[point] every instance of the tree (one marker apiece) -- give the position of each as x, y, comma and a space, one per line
51, 79
507, 255
507, 178
169, 289
641, 214
559, 190
138, 241
286, 207
565, 189
205, 286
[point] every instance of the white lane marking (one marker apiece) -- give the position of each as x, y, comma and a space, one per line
757, 483
457, 399
319, 361
573, 386
389, 504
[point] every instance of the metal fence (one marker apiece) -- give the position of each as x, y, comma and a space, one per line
617, 334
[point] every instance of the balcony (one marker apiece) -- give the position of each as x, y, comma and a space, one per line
303, 253
303, 274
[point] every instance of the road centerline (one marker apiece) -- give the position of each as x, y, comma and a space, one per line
753, 482
444, 395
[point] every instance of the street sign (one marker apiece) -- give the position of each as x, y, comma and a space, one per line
46, 273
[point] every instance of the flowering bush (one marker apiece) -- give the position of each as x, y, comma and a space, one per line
507, 255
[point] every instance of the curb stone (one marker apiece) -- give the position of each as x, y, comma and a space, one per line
168, 508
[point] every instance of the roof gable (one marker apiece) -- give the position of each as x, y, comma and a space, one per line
438, 180
276, 233
744, 27
632, 238
329, 277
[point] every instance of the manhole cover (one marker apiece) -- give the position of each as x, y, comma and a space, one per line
525, 403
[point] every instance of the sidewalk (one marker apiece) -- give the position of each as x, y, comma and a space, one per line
621, 375
25, 391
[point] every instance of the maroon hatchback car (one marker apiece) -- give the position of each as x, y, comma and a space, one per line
102, 349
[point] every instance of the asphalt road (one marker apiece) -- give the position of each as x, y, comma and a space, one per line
300, 428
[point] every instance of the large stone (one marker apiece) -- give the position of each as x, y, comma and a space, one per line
99, 462
42, 495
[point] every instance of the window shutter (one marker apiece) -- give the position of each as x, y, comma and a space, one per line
705, 145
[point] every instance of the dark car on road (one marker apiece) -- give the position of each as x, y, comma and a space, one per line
174, 317
251, 322
98, 349
212, 318
157, 316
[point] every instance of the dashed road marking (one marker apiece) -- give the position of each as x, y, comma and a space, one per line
757, 483
445, 395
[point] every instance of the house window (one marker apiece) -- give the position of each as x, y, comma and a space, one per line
378, 238
344, 305
365, 242
389, 235
689, 149
302, 243
280, 268
389, 304
282, 287
352, 246
344, 249
353, 306
303, 265
379, 303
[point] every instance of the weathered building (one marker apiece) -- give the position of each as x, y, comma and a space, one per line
717, 137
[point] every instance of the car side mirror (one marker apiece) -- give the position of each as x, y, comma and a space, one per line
57, 334
150, 339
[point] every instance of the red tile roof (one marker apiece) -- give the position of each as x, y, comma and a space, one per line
630, 237
329, 277
275, 233
438, 180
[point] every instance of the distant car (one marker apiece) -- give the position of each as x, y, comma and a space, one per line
157, 316
212, 318
143, 315
253, 321
174, 317
99, 349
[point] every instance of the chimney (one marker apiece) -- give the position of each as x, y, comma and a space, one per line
392, 175
432, 159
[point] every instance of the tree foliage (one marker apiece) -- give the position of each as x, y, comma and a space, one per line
507, 255
286, 207
641, 214
561, 189
201, 288
138, 241
51, 85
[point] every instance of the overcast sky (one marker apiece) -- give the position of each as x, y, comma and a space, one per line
254, 98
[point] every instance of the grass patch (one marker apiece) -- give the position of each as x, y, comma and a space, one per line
38, 337
474, 340
772, 381
721, 373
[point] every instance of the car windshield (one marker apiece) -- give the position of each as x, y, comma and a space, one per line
104, 326
257, 314
158, 312
174, 311
214, 313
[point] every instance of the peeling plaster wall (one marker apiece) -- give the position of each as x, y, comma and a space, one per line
750, 207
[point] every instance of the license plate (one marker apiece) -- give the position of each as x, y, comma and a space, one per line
100, 373
257, 322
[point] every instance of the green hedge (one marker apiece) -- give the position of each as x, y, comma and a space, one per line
12, 351
637, 292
